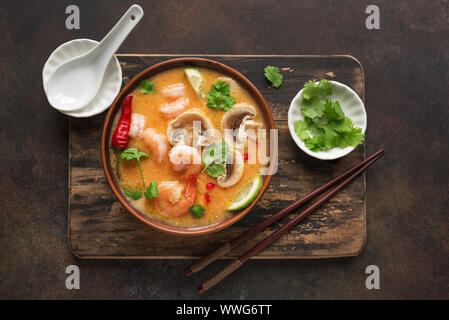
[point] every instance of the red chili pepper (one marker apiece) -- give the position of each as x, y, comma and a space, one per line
210, 186
120, 138
245, 156
207, 197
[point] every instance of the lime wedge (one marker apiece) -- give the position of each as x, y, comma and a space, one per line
247, 195
196, 81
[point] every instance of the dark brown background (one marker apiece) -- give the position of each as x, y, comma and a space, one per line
406, 65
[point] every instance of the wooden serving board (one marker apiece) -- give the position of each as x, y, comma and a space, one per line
99, 227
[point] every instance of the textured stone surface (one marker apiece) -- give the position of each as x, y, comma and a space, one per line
405, 62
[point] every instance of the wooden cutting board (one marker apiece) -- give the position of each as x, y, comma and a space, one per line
99, 227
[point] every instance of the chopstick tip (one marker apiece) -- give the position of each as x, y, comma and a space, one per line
188, 271
200, 289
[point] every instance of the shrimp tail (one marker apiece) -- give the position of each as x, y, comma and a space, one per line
192, 182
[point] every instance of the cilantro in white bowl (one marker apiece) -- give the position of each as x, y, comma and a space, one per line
327, 119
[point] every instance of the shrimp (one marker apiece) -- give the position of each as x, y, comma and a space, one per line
137, 126
174, 91
171, 201
185, 158
157, 143
175, 108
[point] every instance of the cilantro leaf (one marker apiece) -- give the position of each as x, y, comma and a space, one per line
215, 153
330, 138
221, 87
320, 123
313, 126
313, 143
136, 195
344, 125
352, 138
314, 90
310, 90
274, 76
219, 96
325, 87
215, 170
147, 87
220, 101
301, 129
197, 211
333, 111
151, 191
133, 153
312, 108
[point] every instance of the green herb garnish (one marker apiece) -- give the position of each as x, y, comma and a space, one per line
311, 105
220, 96
301, 129
325, 125
147, 87
333, 111
215, 170
136, 195
274, 76
197, 211
133, 153
151, 191
312, 90
213, 158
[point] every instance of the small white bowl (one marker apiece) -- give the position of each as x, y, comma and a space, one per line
351, 105
110, 87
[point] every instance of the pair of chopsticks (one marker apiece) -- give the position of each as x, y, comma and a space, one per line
353, 173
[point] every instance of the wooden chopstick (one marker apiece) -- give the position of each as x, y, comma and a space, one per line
237, 263
228, 246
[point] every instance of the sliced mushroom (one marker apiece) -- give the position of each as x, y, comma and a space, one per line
233, 171
251, 129
191, 128
234, 124
232, 83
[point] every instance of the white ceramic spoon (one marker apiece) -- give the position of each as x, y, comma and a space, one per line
75, 83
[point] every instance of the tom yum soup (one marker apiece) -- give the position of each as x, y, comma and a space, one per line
189, 147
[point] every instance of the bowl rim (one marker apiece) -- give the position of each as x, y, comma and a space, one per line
115, 107
328, 155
